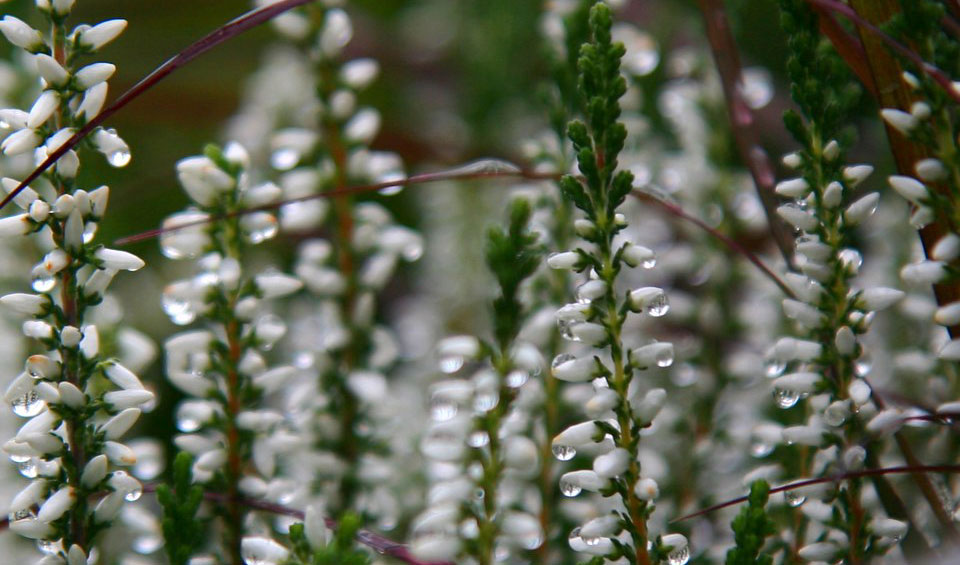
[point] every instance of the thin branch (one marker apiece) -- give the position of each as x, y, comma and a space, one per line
940, 77
467, 172
899, 470
229, 30
742, 123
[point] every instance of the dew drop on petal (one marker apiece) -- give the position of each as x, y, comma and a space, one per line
679, 556
760, 449
28, 405
451, 363
478, 439
564, 452
569, 489
119, 158
774, 368
794, 499
147, 543
284, 159
659, 306
786, 398
517, 378
442, 411
49, 547
133, 495
561, 359
29, 468
181, 312
43, 283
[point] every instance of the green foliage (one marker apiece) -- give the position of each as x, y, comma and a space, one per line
820, 82
341, 550
183, 532
599, 139
512, 255
751, 526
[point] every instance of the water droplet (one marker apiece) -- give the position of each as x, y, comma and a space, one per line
569, 489
413, 250
284, 159
564, 327
679, 556
28, 405
469, 529
259, 227
862, 366
786, 398
24, 514
851, 259
760, 449
478, 439
391, 190
561, 359
531, 541
134, 495
835, 415
43, 283
658, 307
29, 468
451, 363
485, 167
775, 368
564, 452
147, 543
442, 411
49, 547
478, 493
574, 534
517, 378
119, 158
180, 311
89, 232
486, 402
188, 424
591, 541
665, 357
794, 499
755, 87
649, 263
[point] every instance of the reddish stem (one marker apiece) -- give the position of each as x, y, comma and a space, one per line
229, 30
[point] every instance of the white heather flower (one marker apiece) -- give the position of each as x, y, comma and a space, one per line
659, 354
336, 33
29, 304
44, 107
108, 508
802, 312
576, 370
819, 551
612, 464
315, 528
586, 480
888, 527
577, 435
862, 209
950, 351
363, 127
33, 529
924, 272
798, 218
909, 188
359, 73
202, 179
459, 346
51, 71
898, 119
833, 194
92, 75
931, 170
647, 408
804, 382
262, 550
118, 425
117, 260
859, 392
21, 141
947, 248
647, 489
435, 547
37, 329
845, 340
57, 505
20, 34
677, 541
565, 260
600, 527
93, 101
803, 435
122, 377
101, 34
880, 298
856, 174
643, 298
792, 160
589, 333
634, 255
793, 188
94, 471
947, 315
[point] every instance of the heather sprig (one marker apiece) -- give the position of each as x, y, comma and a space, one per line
235, 437
80, 401
481, 423
597, 319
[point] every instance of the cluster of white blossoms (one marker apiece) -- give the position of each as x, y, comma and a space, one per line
79, 402
317, 140
826, 359
228, 426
